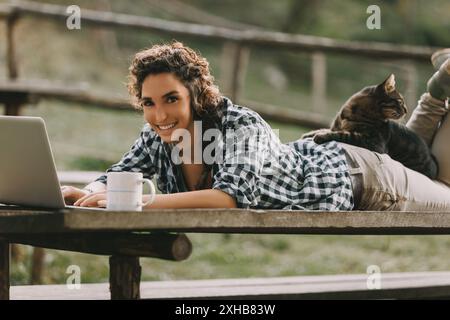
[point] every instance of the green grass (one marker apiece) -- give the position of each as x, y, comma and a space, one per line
241, 255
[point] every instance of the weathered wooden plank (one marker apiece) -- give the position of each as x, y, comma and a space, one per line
262, 221
352, 286
17, 220
124, 277
226, 220
4, 270
249, 37
159, 245
31, 91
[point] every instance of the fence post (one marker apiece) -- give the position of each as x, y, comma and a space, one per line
12, 107
411, 79
225, 67
4, 270
319, 81
235, 57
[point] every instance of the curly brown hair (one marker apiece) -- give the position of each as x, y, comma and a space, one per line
193, 71
188, 66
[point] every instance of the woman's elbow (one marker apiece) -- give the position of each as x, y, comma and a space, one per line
227, 201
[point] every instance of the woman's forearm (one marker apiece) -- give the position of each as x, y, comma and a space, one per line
211, 198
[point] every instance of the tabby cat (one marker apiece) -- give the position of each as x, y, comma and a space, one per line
368, 120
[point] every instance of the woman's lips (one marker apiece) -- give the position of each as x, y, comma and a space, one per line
167, 127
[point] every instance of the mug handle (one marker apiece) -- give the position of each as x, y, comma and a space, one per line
152, 191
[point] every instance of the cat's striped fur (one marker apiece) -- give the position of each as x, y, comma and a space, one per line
369, 120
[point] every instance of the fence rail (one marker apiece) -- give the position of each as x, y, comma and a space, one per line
246, 37
15, 92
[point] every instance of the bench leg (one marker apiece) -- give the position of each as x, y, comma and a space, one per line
4, 270
37, 265
124, 277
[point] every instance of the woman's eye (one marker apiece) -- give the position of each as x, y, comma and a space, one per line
172, 99
147, 104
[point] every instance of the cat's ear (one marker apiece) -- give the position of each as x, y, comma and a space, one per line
388, 85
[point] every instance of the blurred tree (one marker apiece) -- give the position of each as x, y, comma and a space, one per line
302, 14
407, 10
106, 37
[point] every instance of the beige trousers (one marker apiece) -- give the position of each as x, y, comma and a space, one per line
388, 185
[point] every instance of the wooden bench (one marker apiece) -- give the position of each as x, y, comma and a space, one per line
121, 236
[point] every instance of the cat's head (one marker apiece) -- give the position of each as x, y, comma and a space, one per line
379, 102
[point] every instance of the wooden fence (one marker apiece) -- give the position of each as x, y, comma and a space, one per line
236, 49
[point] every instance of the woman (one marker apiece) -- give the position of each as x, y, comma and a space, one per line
250, 167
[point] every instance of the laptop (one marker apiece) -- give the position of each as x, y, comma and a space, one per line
28, 175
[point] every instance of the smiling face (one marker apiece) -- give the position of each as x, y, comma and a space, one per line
166, 105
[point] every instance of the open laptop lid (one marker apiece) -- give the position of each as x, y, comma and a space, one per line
28, 174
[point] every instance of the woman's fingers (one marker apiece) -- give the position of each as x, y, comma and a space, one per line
83, 198
72, 194
91, 200
102, 203
87, 201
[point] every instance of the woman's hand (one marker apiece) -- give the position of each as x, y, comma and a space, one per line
72, 194
96, 199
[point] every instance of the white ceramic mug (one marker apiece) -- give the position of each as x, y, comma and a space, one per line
124, 191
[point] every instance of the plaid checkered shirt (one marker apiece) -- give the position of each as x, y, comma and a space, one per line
252, 165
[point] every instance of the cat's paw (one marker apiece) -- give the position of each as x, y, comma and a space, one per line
309, 135
321, 138
313, 133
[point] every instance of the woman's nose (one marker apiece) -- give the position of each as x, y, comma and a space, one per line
160, 115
